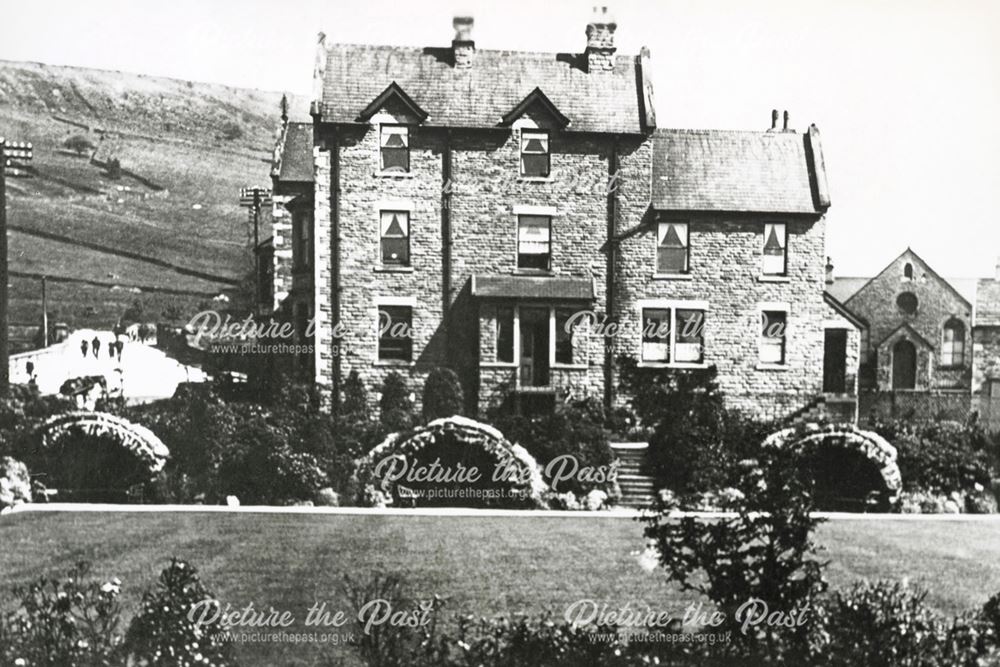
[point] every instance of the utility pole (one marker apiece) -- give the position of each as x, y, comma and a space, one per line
12, 157
45, 315
254, 198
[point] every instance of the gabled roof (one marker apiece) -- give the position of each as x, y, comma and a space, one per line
535, 97
293, 161
910, 331
479, 96
727, 171
844, 287
934, 274
844, 311
392, 91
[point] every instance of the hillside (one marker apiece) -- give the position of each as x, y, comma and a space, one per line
168, 232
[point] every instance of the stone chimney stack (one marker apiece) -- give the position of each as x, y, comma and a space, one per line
463, 48
601, 41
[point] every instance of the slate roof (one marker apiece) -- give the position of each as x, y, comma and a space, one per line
987, 303
759, 172
295, 155
843, 288
481, 95
532, 287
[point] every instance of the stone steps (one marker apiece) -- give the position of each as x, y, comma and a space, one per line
638, 489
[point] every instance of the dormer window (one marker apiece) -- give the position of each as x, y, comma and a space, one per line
535, 153
395, 149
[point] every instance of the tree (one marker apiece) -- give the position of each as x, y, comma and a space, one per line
443, 396
231, 131
114, 168
395, 404
763, 552
78, 144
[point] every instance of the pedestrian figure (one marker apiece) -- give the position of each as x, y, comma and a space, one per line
119, 346
83, 347
96, 343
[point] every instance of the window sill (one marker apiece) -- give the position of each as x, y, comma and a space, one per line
767, 278
673, 276
536, 179
497, 364
544, 273
398, 363
675, 364
772, 367
393, 174
393, 269
570, 367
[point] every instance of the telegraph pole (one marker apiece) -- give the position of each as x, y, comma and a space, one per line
45, 315
12, 155
254, 198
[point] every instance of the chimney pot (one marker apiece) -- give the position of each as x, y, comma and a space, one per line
463, 47
829, 271
774, 119
601, 41
786, 122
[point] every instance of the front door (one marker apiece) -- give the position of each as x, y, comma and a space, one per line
904, 365
835, 361
534, 347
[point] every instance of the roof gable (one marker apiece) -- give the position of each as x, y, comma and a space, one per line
392, 93
479, 96
738, 172
293, 161
913, 257
538, 100
911, 333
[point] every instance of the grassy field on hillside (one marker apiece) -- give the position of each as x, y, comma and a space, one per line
185, 149
483, 566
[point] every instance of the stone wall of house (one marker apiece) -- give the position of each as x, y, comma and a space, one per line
937, 303
931, 404
485, 191
725, 273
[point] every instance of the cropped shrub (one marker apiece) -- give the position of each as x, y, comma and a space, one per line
15, 482
69, 621
446, 467
163, 632
940, 457
571, 438
396, 404
443, 396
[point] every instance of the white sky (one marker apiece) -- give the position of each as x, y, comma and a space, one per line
905, 92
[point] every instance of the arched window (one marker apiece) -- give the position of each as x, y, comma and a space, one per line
953, 343
908, 271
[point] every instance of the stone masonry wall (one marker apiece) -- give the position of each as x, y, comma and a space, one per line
937, 303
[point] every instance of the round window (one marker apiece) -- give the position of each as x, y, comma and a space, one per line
907, 302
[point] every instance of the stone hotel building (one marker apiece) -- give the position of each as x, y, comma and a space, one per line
456, 206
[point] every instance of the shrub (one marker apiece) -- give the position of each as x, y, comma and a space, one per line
114, 168
695, 442
231, 130
443, 396
355, 404
15, 483
575, 429
79, 144
162, 633
395, 404
70, 621
940, 457
764, 551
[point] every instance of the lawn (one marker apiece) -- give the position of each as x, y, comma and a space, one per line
483, 565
